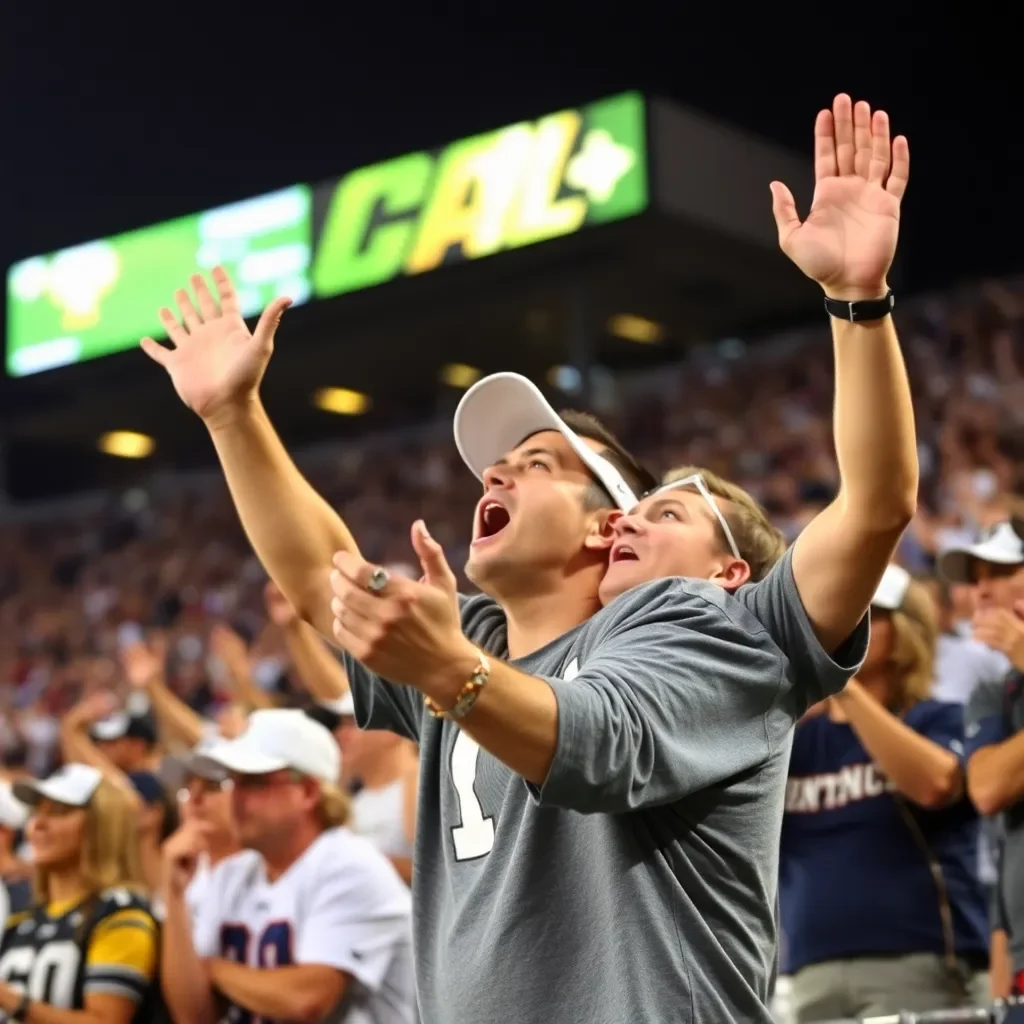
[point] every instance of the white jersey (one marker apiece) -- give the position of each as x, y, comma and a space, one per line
340, 904
379, 814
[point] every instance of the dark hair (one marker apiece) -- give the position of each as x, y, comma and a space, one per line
587, 425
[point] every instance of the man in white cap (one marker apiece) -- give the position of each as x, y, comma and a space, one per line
994, 566
640, 754
309, 919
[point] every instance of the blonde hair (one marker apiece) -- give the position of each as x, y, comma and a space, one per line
760, 543
335, 806
110, 854
915, 632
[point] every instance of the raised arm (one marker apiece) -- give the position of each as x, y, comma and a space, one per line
847, 244
922, 767
318, 670
216, 366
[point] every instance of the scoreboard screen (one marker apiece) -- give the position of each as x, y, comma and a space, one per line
504, 189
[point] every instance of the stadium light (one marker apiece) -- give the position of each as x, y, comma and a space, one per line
459, 375
636, 328
126, 444
341, 401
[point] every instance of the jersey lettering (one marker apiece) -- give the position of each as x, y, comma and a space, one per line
274, 949
830, 791
47, 973
474, 836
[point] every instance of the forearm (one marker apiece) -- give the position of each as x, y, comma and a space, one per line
515, 718
174, 714
302, 993
293, 530
245, 689
184, 980
839, 558
875, 436
995, 775
919, 768
1000, 965
318, 670
42, 1013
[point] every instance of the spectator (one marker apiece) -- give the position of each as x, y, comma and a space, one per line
90, 942
882, 909
15, 873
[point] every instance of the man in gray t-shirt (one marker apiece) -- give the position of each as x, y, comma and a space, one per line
638, 880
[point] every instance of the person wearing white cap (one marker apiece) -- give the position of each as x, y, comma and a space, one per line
15, 888
994, 567
308, 917
90, 942
876, 813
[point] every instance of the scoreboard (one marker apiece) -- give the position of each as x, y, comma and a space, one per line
505, 189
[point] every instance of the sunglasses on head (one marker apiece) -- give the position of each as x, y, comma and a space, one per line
697, 481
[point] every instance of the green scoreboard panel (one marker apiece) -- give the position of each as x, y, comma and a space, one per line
502, 190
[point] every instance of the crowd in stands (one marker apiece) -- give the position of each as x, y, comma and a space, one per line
98, 597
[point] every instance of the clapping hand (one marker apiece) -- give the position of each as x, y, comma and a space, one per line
848, 240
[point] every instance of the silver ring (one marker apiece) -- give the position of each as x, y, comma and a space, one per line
378, 580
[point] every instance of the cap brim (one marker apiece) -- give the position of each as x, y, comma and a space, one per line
235, 756
32, 792
177, 767
955, 566
499, 412
110, 729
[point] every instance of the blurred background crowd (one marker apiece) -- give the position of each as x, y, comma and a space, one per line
142, 621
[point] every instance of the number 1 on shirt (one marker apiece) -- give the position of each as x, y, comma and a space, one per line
474, 837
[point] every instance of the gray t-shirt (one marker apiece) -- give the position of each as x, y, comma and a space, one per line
639, 882
994, 714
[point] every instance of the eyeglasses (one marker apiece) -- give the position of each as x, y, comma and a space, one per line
697, 481
197, 786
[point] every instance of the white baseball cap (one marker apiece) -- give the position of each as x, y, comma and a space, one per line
178, 766
13, 813
72, 785
1000, 546
499, 412
892, 589
276, 739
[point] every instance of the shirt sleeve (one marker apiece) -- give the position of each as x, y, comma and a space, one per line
676, 697
380, 704
775, 602
359, 915
986, 721
122, 955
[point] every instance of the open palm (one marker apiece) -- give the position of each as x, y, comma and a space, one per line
216, 362
848, 240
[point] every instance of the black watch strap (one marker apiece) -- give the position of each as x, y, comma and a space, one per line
865, 309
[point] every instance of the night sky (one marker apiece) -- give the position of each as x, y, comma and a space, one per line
112, 122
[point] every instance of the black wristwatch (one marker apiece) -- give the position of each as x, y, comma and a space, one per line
865, 309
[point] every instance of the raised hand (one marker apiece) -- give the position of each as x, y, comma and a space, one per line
848, 240
216, 363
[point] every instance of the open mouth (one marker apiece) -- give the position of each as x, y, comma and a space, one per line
624, 553
492, 517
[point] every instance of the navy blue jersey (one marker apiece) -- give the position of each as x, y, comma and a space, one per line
853, 880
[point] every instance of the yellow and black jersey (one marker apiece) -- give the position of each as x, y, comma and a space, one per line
107, 944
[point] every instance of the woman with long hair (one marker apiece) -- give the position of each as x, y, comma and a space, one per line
882, 908
86, 953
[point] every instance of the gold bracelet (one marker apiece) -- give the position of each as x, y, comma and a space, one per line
467, 695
